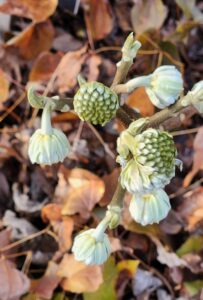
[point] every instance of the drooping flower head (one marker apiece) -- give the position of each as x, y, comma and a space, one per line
92, 246
95, 103
147, 159
48, 145
165, 86
150, 208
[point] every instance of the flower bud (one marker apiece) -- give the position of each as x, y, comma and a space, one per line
95, 103
130, 48
195, 97
147, 160
114, 213
48, 145
150, 208
165, 86
92, 246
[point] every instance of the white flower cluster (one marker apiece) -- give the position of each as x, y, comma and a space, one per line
148, 161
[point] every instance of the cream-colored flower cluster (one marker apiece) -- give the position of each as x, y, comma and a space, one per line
148, 161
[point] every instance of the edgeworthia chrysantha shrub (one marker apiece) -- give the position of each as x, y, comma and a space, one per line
146, 154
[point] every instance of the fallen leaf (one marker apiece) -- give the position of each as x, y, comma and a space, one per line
44, 66
165, 257
128, 264
198, 157
144, 283
35, 39
51, 212
190, 9
110, 181
4, 87
140, 101
87, 190
93, 63
68, 69
64, 230
146, 15
192, 245
37, 11
23, 203
5, 237
191, 209
45, 286
13, 283
106, 291
193, 287
98, 18
20, 226
77, 277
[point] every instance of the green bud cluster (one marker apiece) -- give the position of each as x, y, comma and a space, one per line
157, 149
95, 103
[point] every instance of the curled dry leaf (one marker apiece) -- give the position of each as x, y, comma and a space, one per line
198, 157
87, 189
51, 212
45, 286
146, 15
77, 277
140, 101
68, 69
36, 10
13, 283
191, 209
98, 18
94, 62
170, 259
44, 66
4, 87
35, 39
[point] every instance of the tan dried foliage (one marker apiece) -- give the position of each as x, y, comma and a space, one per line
77, 277
44, 66
68, 69
198, 157
35, 39
98, 18
4, 87
93, 63
86, 190
191, 209
140, 101
36, 10
13, 283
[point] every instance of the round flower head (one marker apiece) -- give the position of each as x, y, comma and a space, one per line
147, 159
165, 86
195, 97
48, 145
95, 103
92, 246
150, 208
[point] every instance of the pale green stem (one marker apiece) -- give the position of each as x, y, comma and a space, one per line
46, 119
101, 228
132, 84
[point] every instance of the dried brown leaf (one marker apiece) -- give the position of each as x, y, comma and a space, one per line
146, 15
77, 277
98, 18
44, 66
4, 87
140, 101
64, 231
94, 62
35, 39
36, 10
68, 69
191, 209
198, 157
45, 286
51, 212
13, 283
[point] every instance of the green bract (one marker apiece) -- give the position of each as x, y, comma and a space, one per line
95, 103
147, 159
